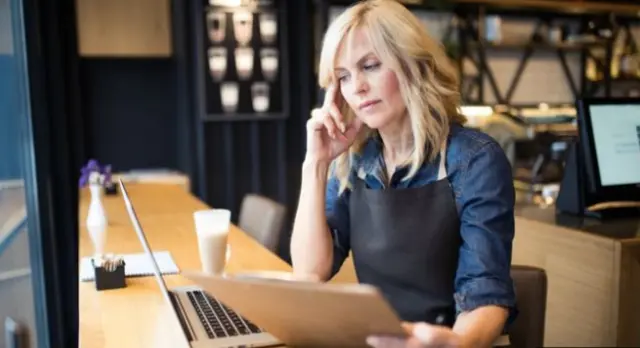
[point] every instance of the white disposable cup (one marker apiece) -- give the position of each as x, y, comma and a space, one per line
242, 27
217, 62
260, 96
268, 27
216, 22
269, 63
212, 229
244, 62
229, 94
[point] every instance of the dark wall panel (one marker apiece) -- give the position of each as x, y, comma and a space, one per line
243, 155
242, 158
268, 140
217, 179
131, 104
302, 99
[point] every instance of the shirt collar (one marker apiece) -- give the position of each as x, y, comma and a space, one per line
369, 161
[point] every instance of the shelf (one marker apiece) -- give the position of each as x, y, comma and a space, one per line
476, 54
557, 6
617, 79
411, 5
537, 46
243, 117
560, 6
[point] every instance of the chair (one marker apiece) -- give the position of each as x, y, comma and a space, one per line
531, 295
263, 219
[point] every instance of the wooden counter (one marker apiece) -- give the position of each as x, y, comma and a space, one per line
133, 316
593, 270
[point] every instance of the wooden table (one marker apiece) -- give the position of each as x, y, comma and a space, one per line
137, 315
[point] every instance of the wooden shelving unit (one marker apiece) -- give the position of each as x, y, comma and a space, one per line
473, 48
587, 45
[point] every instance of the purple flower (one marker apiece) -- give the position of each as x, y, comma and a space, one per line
93, 166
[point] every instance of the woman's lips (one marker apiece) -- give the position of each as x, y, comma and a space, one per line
368, 105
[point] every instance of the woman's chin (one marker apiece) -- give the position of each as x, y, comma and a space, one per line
374, 121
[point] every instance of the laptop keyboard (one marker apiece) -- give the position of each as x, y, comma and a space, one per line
217, 319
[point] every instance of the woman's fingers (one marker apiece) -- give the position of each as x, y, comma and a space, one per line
332, 128
331, 106
321, 118
316, 120
330, 117
337, 117
395, 342
386, 342
330, 96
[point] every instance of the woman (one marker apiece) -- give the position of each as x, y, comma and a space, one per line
424, 204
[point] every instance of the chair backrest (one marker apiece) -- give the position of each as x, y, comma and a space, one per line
263, 219
531, 296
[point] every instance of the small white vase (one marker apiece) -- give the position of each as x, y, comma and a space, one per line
97, 220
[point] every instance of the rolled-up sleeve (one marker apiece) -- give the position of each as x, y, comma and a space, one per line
337, 212
487, 198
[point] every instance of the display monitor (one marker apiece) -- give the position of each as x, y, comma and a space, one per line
609, 131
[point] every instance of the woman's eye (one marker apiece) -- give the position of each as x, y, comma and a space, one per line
371, 66
342, 78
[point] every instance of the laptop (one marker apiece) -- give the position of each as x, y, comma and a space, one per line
205, 321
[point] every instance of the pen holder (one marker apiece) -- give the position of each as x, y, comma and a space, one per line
111, 189
106, 280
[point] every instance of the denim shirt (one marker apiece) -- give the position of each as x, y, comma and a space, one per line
481, 178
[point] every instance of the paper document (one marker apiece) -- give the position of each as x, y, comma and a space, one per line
136, 265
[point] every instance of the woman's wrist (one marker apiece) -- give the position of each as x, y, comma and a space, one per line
314, 171
311, 164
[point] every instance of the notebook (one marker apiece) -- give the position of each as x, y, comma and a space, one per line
136, 265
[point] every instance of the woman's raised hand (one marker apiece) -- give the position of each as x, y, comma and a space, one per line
328, 135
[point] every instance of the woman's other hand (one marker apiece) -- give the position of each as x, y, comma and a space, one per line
328, 135
421, 335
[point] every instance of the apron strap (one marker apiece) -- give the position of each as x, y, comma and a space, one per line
442, 170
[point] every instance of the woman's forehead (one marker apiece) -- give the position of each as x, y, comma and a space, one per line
353, 47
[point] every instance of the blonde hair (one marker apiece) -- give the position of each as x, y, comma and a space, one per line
427, 79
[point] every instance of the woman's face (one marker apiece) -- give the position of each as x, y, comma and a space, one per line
369, 87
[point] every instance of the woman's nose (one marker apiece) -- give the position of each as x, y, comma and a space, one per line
360, 84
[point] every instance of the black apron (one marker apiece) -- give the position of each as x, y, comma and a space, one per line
406, 242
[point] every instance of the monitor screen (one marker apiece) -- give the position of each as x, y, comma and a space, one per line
616, 138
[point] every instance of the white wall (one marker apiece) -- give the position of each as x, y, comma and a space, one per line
542, 80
